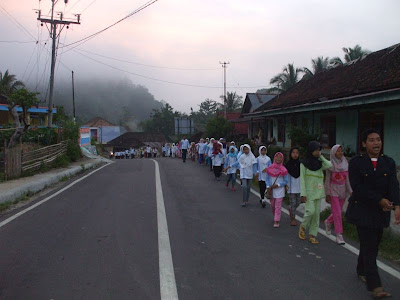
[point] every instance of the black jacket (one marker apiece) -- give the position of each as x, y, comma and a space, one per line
369, 187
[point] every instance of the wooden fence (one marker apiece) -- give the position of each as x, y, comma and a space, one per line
17, 161
32, 160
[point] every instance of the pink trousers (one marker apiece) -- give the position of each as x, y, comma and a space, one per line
276, 207
336, 216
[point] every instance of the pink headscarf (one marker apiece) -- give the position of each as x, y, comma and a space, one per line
338, 165
275, 169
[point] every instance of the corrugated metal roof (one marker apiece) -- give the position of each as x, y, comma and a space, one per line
256, 100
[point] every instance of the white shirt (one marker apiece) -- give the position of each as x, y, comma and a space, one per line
262, 165
148, 149
218, 160
185, 144
294, 185
202, 147
231, 161
278, 192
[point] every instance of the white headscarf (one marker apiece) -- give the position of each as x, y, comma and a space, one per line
263, 158
247, 160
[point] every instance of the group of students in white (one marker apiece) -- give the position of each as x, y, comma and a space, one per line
302, 181
143, 152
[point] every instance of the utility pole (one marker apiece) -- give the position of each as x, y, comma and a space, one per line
224, 65
73, 95
54, 36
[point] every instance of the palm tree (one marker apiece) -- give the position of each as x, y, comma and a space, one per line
233, 102
9, 83
318, 65
285, 80
350, 54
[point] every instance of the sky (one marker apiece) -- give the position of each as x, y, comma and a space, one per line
185, 40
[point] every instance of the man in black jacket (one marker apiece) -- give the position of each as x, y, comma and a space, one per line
375, 187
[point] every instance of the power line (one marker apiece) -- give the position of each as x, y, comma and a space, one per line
84, 40
19, 25
88, 6
152, 78
19, 42
145, 65
73, 6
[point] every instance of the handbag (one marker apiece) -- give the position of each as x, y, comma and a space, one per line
269, 195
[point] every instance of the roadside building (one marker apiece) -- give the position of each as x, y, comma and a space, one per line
37, 115
338, 104
102, 131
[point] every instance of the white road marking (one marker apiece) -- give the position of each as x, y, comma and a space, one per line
380, 264
22, 212
168, 288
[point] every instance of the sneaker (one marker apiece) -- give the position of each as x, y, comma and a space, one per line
328, 228
276, 224
264, 203
243, 204
339, 239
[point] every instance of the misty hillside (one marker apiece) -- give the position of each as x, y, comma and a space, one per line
116, 100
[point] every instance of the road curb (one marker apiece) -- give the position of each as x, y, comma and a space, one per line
42, 183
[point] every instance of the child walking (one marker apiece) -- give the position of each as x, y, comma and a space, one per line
278, 178
312, 190
337, 189
293, 187
263, 162
248, 167
217, 160
231, 159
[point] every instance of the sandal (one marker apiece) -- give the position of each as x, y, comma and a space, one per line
302, 232
380, 293
313, 240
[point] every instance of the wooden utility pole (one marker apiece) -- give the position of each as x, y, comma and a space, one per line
54, 23
224, 65
73, 95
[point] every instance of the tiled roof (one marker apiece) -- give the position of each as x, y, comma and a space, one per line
98, 122
378, 71
138, 139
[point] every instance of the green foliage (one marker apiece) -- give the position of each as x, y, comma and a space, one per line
24, 98
301, 138
9, 83
161, 121
61, 161
272, 150
73, 151
218, 127
60, 118
45, 136
285, 80
234, 102
207, 109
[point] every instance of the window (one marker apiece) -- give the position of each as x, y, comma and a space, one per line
294, 122
328, 131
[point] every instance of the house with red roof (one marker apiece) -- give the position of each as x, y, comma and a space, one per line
338, 104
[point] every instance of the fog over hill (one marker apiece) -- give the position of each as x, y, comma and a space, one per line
119, 101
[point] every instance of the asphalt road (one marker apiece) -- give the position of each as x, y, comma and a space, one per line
98, 240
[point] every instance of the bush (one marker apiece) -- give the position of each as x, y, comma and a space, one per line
301, 137
272, 150
60, 162
73, 151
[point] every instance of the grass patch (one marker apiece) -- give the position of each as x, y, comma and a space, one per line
64, 178
389, 246
6, 205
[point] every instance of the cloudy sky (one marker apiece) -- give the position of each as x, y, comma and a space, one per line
184, 41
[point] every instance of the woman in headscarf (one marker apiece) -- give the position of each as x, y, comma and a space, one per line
312, 190
263, 162
293, 167
337, 189
231, 159
248, 167
218, 159
278, 177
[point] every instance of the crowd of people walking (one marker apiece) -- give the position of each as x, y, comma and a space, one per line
369, 182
